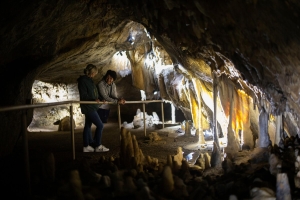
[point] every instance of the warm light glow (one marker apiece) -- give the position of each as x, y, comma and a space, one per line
121, 64
207, 97
272, 118
241, 111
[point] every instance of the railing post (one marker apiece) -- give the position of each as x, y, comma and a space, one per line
26, 154
162, 114
72, 131
119, 116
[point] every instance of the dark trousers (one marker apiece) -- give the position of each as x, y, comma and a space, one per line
103, 114
92, 118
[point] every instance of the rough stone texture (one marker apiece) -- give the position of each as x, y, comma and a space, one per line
254, 43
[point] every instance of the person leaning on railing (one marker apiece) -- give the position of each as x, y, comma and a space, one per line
108, 93
88, 92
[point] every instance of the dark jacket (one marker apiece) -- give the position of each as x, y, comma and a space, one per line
87, 92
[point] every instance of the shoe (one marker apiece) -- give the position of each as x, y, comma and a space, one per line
101, 148
88, 149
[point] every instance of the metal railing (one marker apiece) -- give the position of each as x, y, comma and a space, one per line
40, 105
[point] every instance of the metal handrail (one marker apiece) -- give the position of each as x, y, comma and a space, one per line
39, 105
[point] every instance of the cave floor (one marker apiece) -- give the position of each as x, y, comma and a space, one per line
41, 142
59, 143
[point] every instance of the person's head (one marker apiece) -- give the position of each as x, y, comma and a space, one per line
91, 70
110, 76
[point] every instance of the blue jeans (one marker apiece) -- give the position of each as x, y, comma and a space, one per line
92, 118
103, 114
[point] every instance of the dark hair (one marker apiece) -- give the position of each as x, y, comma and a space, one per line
89, 69
111, 73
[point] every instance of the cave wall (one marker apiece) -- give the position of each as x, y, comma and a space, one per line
52, 41
44, 118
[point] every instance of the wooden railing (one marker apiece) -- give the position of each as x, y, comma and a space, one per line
71, 103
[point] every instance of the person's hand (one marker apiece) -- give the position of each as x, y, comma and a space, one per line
97, 100
121, 101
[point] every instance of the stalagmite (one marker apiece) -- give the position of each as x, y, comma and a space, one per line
127, 152
227, 165
187, 128
283, 187
177, 159
180, 188
129, 185
216, 157
137, 156
118, 182
201, 161
143, 191
263, 139
207, 160
76, 186
130, 153
169, 160
167, 180
123, 145
154, 137
185, 171
141, 156
273, 162
106, 181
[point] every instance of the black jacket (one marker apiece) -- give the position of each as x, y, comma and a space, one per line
87, 92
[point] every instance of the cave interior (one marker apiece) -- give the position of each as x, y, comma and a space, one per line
230, 68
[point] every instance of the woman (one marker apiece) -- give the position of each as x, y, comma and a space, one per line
88, 92
108, 92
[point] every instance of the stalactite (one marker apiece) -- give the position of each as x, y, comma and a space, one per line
197, 86
162, 87
232, 145
263, 139
194, 105
278, 128
242, 120
215, 92
137, 71
173, 114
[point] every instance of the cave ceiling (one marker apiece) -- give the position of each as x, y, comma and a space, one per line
52, 41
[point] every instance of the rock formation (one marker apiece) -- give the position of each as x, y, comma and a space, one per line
217, 62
